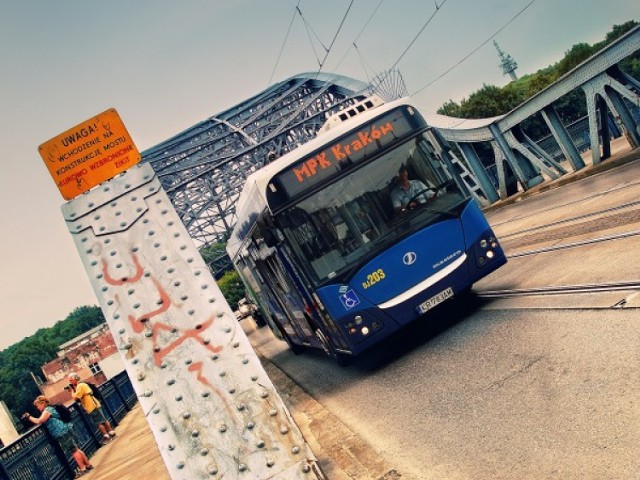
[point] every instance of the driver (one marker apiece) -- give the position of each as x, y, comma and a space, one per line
409, 193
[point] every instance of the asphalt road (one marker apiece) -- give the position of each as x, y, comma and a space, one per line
534, 387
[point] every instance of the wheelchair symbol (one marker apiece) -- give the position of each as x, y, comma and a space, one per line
349, 299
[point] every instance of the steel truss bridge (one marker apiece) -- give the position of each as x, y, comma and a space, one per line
204, 167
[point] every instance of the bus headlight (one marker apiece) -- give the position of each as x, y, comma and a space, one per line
365, 330
483, 243
490, 254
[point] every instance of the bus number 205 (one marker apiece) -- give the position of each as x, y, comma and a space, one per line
373, 278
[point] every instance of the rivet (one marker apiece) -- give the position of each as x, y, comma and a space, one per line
236, 345
206, 341
141, 376
127, 346
245, 361
134, 361
191, 312
306, 468
188, 361
163, 365
156, 410
254, 378
171, 447
250, 425
204, 452
148, 334
205, 394
240, 407
156, 348
242, 467
260, 444
264, 394
232, 391
214, 357
180, 465
163, 429
222, 428
295, 450
171, 381
186, 415
273, 412
204, 287
213, 471
195, 433
177, 283
270, 463
109, 302
116, 316
284, 430
178, 398
227, 330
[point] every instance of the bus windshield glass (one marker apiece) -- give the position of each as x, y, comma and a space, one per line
347, 222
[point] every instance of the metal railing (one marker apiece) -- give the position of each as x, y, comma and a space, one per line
36, 455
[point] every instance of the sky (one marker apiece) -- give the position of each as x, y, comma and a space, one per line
167, 65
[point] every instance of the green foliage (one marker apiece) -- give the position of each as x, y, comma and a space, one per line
491, 101
17, 387
213, 251
232, 288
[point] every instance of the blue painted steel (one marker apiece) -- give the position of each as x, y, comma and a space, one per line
430, 251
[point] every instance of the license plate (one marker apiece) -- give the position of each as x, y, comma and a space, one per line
435, 300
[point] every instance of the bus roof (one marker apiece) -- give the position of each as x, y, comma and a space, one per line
253, 198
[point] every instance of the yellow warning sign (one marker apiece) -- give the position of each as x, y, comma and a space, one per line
89, 154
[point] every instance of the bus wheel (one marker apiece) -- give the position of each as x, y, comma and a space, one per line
340, 358
294, 347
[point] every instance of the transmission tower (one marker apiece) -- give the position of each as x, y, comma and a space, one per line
507, 63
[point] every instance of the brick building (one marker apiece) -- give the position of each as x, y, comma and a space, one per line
92, 355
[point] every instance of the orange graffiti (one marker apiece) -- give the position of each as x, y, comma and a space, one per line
112, 281
165, 302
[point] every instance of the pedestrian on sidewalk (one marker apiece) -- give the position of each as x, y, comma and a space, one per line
61, 431
82, 393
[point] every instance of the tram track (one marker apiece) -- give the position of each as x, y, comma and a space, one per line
580, 243
562, 290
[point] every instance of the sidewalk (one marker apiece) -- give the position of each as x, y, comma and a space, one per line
342, 455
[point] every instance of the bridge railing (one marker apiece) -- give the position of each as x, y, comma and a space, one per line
36, 455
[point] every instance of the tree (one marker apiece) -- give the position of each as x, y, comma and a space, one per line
18, 361
232, 288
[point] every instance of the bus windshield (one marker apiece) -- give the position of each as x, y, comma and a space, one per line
346, 223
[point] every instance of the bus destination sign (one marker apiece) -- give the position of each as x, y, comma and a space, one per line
88, 154
343, 154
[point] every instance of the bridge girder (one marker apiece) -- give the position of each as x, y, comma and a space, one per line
203, 168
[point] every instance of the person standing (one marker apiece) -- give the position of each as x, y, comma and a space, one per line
81, 392
61, 431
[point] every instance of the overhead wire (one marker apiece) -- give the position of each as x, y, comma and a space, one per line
475, 49
384, 76
293, 17
336, 35
358, 36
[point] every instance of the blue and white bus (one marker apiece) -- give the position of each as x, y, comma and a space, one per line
359, 232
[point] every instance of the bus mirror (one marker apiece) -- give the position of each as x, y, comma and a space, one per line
267, 231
